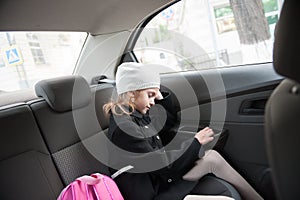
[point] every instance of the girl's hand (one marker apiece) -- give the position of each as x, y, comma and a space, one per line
205, 135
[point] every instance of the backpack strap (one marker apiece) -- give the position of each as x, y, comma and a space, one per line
121, 171
89, 180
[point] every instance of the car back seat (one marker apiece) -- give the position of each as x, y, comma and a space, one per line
73, 124
48, 142
26, 168
68, 118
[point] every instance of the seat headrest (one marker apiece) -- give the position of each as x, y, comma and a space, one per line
286, 57
64, 93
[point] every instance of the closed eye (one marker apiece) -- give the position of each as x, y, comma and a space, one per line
151, 94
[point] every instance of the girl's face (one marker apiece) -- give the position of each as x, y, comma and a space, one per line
144, 99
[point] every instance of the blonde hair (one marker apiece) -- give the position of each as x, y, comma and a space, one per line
119, 107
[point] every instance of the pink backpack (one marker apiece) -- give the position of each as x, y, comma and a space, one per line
94, 187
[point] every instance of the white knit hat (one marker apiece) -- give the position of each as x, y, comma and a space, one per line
133, 76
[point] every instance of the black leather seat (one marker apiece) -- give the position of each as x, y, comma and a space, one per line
282, 116
68, 121
26, 167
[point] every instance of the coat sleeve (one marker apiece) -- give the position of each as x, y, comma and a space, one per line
164, 116
177, 162
179, 166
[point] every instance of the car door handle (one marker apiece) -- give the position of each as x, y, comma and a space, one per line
253, 111
253, 107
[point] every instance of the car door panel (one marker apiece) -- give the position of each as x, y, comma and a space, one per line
245, 92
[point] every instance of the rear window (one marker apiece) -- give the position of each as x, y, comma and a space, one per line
27, 57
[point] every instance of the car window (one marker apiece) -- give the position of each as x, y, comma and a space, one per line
200, 34
27, 57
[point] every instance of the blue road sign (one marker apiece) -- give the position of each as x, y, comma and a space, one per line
13, 56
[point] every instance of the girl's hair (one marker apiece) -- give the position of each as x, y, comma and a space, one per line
123, 105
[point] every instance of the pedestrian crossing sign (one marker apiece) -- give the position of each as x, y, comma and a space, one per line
13, 56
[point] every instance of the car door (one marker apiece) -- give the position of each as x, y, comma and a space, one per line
218, 79
236, 115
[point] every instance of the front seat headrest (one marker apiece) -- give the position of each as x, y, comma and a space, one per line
64, 93
286, 56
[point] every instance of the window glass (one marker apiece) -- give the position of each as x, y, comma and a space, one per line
200, 34
27, 57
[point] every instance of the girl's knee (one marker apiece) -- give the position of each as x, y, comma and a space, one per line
214, 157
212, 154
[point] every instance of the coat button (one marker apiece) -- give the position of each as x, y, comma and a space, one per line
157, 137
170, 180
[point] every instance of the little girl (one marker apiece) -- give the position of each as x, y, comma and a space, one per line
131, 130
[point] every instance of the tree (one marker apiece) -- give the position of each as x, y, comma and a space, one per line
250, 20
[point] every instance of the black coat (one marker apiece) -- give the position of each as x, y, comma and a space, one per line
136, 133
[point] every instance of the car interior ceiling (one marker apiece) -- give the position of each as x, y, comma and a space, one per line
96, 21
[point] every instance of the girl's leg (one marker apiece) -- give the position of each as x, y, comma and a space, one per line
214, 163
